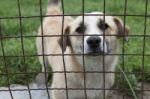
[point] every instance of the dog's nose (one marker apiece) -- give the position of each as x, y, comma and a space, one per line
94, 41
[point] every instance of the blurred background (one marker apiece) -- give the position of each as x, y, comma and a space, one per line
18, 58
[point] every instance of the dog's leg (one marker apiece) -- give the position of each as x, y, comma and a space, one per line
41, 52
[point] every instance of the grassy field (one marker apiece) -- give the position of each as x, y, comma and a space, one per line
13, 47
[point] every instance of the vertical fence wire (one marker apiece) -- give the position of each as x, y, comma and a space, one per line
124, 37
143, 53
5, 65
64, 64
43, 48
104, 10
22, 46
83, 57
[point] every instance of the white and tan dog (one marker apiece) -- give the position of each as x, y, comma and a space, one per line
94, 44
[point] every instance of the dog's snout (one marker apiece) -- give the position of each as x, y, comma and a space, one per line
94, 41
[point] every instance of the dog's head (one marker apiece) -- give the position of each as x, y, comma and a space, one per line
95, 34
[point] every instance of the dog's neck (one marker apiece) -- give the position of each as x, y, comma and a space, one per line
93, 63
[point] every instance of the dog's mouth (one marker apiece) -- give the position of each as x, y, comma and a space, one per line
95, 53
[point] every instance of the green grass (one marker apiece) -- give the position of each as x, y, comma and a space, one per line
13, 47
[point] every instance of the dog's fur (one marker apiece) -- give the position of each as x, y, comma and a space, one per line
93, 25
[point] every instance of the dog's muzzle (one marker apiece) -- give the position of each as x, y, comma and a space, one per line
95, 45
94, 42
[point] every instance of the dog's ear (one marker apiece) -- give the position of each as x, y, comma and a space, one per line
122, 30
64, 41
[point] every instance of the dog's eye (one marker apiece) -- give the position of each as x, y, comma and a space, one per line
103, 26
80, 29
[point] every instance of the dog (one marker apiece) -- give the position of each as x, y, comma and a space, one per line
80, 56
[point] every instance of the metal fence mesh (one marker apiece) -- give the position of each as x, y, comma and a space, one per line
24, 56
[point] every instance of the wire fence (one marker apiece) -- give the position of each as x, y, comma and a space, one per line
65, 72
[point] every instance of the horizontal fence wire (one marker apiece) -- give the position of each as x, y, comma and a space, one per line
115, 89
33, 36
121, 15
75, 55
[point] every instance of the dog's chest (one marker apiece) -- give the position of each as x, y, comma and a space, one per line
94, 83
93, 79
94, 86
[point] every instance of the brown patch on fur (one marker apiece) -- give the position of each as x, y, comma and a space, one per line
81, 28
64, 40
122, 32
102, 25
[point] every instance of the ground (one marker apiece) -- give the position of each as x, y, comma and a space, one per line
136, 51
120, 95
